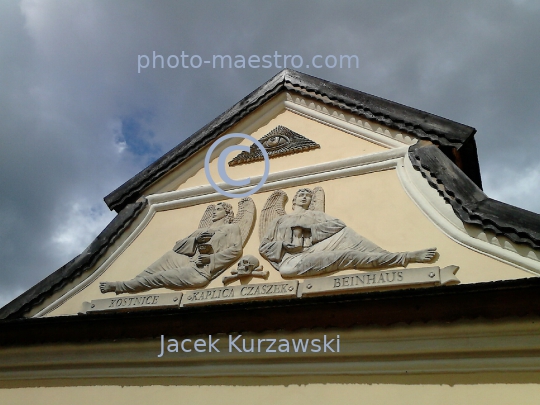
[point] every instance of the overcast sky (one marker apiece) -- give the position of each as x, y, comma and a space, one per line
77, 119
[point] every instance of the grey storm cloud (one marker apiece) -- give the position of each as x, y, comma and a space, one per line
77, 120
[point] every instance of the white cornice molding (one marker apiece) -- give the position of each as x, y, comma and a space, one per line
427, 200
206, 194
444, 218
289, 178
344, 121
306, 107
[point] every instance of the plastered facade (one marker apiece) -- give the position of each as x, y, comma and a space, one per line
335, 145
383, 200
374, 203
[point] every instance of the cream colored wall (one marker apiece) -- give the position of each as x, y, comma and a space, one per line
482, 394
274, 112
335, 145
373, 204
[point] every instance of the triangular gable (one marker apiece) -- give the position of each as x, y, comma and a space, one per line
450, 135
397, 177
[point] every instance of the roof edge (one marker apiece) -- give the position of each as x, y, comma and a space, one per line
470, 203
421, 124
55, 281
131, 190
415, 122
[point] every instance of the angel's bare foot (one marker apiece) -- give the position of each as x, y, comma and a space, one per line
422, 256
106, 287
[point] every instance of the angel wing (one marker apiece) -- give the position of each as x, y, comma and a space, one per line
206, 219
273, 208
317, 202
245, 218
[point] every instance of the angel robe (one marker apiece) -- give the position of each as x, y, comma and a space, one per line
334, 247
177, 269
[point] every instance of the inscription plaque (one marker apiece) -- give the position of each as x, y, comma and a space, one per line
380, 280
247, 292
137, 302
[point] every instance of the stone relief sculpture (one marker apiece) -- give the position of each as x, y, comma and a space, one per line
248, 266
201, 257
308, 242
280, 141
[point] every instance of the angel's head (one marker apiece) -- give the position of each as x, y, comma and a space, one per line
303, 198
223, 210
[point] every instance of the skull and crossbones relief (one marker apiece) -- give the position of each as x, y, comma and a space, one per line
248, 266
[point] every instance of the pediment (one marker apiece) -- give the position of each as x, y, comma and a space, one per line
384, 207
376, 206
364, 116
338, 134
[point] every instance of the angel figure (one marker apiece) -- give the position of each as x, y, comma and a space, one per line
309, 242
201, 257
